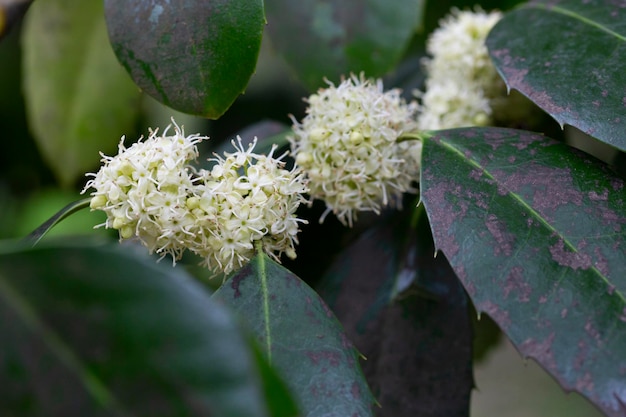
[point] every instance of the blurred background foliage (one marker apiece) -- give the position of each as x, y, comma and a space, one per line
30, 194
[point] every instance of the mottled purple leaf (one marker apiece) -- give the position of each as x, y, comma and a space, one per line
536, 231
568, 57
408, 315
332, 38
301, 337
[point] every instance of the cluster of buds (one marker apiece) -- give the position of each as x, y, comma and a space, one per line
349, 144
462, 85
151, 192
351, 151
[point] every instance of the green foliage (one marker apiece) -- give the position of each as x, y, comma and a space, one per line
300, 336
576, 72
79, 99
511, 223
402, 307
548, 224
329, 39
97, 330
194, 56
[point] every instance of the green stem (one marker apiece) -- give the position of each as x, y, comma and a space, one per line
36, 235
405, 137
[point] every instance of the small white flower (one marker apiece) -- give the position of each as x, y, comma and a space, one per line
248, 197
462, 83
144, 190
348, 146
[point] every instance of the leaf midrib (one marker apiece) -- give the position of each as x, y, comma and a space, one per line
266, 303
532, 212
581, 18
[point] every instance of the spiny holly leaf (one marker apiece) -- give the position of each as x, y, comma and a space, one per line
536, 231
79, 99
92, 330
567, 57
327, 39
194, 56
407, 313
301, 337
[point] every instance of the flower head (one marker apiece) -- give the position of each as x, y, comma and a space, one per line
248, 197
150, 192
348, 146
144, 190
462, 82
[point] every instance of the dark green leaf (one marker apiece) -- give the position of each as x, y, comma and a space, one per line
301, 337
277, 395
332, 38
79, 99
408, 314
536, 231
92, 330
195, 56
567, 57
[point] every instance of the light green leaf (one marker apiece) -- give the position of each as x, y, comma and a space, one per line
79, 99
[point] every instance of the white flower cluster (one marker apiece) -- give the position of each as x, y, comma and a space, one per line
348, 146
151, 192
462, 84
247, 197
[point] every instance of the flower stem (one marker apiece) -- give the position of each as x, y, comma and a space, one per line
36, 235
405, 137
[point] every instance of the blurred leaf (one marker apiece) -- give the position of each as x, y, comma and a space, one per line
267, 132
536, 231
301, 337
92, 330
567, 57
332, 38
194, 56
11, 12
79, 99
408, 314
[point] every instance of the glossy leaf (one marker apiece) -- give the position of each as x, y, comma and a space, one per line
408, 315
536, 231
567, 57
79, 99
93, 330
301, 337
194, 56
321, 39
